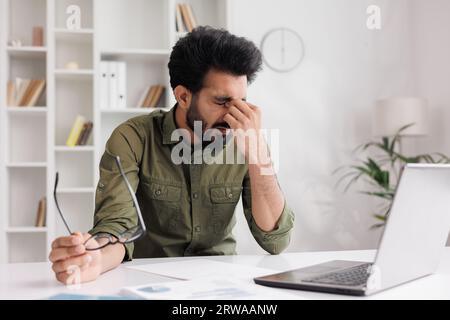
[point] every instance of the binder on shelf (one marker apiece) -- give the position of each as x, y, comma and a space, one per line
104, 78
113, 85
75, 131
121, 85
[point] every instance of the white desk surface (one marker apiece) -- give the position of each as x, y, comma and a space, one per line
36, 280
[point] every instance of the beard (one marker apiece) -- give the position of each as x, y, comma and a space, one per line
193, 114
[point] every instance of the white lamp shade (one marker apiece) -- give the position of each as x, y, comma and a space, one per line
394, 113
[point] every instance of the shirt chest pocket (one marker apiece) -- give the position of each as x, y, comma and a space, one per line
224, 198
164, 209
163, 192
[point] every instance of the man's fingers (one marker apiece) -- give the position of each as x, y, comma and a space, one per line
238, 115
68, 264
231, 121
62, 277
243, 106
63, 253
68, 241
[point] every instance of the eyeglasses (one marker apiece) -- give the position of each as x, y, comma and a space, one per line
100, 240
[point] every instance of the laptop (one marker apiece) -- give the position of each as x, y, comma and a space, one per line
410, 248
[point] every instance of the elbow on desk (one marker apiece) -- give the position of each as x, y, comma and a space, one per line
276, 247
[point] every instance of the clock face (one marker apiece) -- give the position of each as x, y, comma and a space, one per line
282, 49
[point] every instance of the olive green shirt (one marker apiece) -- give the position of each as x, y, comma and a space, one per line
188, 209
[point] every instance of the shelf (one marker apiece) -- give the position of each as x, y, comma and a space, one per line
75, 190
130, 110
27, 165
69, 73
155, 55
27, 52
28, 111
71, 32
26, 229
138, 32
128, 52
81, 74
74, 149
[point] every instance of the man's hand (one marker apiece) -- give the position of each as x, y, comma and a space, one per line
71, 261
245, 120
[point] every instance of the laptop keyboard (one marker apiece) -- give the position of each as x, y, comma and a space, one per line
354, 276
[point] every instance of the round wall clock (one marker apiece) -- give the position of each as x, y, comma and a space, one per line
283, 49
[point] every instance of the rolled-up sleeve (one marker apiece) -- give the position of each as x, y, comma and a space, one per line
114, 210
277, 240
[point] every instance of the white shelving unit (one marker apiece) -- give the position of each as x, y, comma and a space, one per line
32, 139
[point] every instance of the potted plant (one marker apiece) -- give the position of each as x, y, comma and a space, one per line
381, 173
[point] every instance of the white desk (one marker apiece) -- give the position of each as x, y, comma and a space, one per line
36, 280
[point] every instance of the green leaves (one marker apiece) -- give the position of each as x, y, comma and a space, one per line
377, 171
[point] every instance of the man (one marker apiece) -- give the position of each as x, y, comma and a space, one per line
188, 208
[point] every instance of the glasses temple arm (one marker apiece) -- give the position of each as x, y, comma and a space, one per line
57, 205
133, 195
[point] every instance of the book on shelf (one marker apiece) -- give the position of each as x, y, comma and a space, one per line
113, 85
187, 15
80, 132
41, 212
150, 94
179, 19
85, 133
24, 92
152, 97
10, 94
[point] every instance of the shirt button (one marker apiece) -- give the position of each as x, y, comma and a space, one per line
158, 192
195, 195
230, 195
101, 185
198, 229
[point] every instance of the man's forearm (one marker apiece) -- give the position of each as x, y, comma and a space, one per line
267, 198
112, 256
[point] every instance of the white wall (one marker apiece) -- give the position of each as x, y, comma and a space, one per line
431, 58
324, 107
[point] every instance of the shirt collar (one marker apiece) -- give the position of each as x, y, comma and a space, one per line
169, 126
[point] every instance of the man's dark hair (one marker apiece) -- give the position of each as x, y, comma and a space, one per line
206, 48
